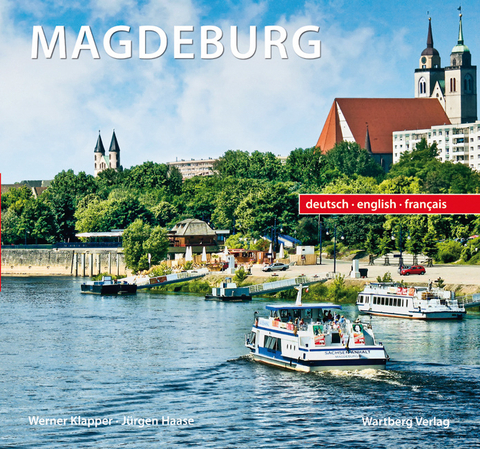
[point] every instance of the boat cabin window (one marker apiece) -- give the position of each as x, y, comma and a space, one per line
335, 337
272, 343
360, 299
367, 299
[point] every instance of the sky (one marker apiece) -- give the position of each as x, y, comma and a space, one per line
167, 109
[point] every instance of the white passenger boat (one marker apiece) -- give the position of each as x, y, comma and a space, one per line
308, 338
421, 303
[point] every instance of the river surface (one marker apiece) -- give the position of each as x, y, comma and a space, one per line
73, 358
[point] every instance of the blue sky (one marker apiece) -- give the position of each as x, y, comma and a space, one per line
164, 109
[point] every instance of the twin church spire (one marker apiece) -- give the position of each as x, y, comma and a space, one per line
454, 86
104, 161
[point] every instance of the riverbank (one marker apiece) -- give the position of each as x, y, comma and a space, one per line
344, 292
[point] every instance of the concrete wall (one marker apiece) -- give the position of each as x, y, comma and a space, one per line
44, 262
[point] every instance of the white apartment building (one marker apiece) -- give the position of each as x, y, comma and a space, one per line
192, 167
459, 143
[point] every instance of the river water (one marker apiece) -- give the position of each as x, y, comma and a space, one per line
72, 358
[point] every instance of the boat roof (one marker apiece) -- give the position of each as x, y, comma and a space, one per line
303, 306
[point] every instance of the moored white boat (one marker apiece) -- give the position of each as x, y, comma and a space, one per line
422, 303
308, 338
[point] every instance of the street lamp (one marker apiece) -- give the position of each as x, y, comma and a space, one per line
320, 237
400, 262
335, 246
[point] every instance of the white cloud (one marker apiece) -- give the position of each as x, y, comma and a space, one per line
163, 109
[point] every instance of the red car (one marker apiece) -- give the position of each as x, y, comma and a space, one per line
414, 269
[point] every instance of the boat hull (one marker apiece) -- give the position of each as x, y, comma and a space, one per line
428, 316
242, 298
109, 289
128, 289
112, 289
324, 365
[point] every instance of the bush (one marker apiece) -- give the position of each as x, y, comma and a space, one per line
387, 277
340, 249
449, 251
240, 275
470, 251
160, 270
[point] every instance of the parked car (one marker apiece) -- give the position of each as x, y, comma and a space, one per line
277, 266
414, 269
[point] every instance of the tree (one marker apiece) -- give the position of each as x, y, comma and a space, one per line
412, 163
16, 198
149, 175
139, 240
350, 159
274, 204
38, 221
10, 227
164, 212
265, 166
304, 165
107, 180
371, 243
63, 195
234, 163
174, 181
430, 245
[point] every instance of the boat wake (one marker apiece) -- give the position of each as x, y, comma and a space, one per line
377, 375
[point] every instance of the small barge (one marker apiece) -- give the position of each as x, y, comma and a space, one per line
229, 292
108, 286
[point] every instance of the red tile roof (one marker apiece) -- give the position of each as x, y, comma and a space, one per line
384, 116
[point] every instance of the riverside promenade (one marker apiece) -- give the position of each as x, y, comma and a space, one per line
452, 274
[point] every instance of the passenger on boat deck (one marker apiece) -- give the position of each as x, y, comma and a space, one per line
302, 322
330, 316
342, 319
277, 318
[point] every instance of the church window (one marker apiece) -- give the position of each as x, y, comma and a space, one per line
454, 62
422, 86
468, 84
453, 85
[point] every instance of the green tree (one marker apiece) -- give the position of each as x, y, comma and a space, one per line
164, 212
412, 163
16, 198
350, 159
38, 221
63, 195
139, 240
265, 166
10, 227
149, 175
304, 165
234, 163
430, 245
372, 243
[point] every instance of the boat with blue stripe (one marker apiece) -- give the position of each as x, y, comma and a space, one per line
313, 337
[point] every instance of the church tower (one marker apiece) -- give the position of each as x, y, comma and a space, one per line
99, 156
111, 160
429, 71
114, 153
461, 83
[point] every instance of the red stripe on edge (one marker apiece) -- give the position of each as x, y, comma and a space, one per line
0, 236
